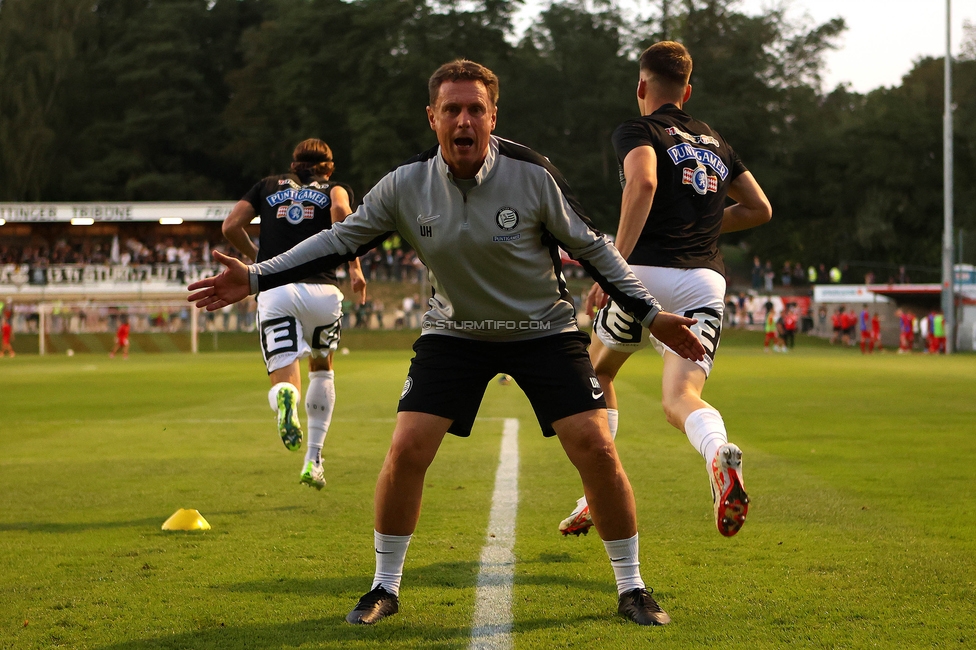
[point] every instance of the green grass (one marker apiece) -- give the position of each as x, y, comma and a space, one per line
861, 532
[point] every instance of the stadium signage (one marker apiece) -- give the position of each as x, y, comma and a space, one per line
847, 293
115, 212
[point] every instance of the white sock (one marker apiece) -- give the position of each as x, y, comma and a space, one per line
706, 432
391, 551
626, 565
319, 402
273, 393
612, 416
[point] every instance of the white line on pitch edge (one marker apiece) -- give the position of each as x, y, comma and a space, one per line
491, 627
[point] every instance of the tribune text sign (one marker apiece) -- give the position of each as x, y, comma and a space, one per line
115, 212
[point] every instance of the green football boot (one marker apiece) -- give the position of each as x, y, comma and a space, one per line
312, 475
289, 428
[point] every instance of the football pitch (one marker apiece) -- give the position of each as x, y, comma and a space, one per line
861, 534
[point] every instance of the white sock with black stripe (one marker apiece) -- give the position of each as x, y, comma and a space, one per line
625, 562
391, 552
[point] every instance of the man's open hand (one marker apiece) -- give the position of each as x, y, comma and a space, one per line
231, 286
672, 330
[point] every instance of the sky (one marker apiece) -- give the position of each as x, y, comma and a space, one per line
882, 40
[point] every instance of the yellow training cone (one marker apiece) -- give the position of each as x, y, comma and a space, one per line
186, 520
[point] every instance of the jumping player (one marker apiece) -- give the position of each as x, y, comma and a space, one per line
676, 173
487, 217
302, 319
8, 334
121, 338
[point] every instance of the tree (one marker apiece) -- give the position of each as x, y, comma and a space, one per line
39, 40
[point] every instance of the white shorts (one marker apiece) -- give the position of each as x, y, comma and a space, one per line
693, 293
298, 320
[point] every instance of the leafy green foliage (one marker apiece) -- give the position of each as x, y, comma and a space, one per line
196, 99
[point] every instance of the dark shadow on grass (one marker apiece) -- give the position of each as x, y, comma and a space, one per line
443, 575
78, 527
334, 633
440, 575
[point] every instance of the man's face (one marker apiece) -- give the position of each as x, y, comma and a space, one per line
463, 118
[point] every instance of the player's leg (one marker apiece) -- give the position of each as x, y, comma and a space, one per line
586, 439
616, 336
282, 345
399, 492
681, 389
318, 308
284, 396
606, 363
320, 400
443, 391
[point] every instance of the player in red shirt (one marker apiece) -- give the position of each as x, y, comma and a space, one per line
864, 321
790, 323
848, 321
837, 321
876, 332
8, 334
122, 338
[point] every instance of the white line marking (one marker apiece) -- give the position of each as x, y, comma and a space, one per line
491, 627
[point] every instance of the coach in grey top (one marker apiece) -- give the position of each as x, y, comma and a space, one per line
488, 242
486, 216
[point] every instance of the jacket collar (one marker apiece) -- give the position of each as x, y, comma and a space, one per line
487, 167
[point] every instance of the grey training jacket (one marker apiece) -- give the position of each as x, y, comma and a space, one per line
491, 254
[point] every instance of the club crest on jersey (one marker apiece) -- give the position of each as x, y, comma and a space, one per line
295, 213
699, 179
507, 218
682, 152
697, 139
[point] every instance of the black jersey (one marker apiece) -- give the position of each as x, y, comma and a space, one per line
695, 167
291, 211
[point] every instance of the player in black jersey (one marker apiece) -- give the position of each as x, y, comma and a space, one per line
301, 319
676, 172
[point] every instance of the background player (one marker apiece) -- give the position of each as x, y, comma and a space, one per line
302, 319
876, 332
790, 322
906, 331
864, 323
676, 173
7, 332
121, 338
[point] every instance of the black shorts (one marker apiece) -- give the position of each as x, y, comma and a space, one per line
448, 377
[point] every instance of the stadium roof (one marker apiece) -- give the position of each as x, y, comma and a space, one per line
89, 213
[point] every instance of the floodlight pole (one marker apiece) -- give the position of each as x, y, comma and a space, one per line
948, 276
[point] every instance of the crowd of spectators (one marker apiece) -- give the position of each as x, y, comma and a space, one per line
393, 261
794, 274
106, 250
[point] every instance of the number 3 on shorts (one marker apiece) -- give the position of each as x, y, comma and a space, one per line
708, 329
